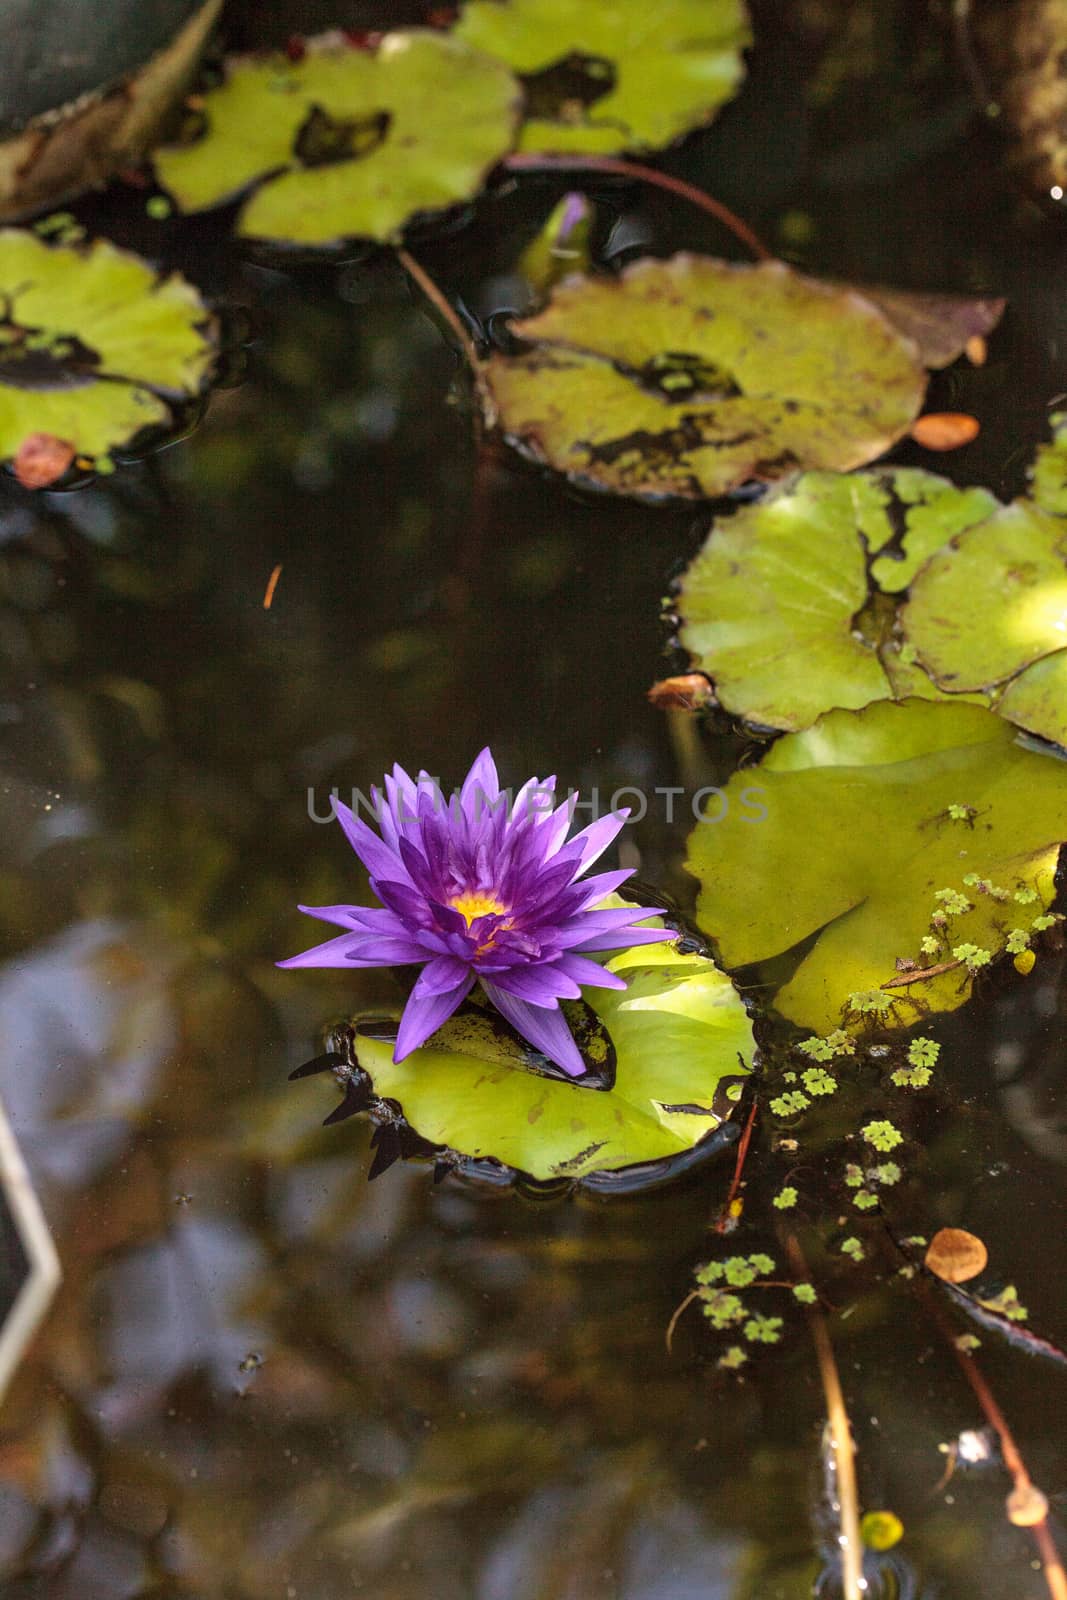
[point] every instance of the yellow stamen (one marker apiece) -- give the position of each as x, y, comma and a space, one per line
472, 905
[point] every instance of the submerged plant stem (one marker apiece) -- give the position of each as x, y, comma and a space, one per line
530, 162
851, 1542
1052, 1566
902, 979
726, 1215
420, 277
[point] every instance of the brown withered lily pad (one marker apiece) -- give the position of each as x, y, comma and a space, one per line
690, 377
941, 324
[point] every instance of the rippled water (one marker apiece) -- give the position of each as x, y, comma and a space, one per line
263, 1377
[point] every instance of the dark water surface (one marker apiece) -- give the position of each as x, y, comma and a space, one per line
265, 1379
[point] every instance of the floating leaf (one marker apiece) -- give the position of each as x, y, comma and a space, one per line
859, 855
945, 430
1048, 474
671, 1046
942, 325
688, 377
347, 143
989, 613
777, 609
618, 77
955, 1255
94, 346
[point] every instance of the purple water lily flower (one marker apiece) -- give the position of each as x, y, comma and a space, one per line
481, 890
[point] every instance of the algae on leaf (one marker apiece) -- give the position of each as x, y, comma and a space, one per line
688, 377
670, 1045
896, 841
624, 76
94, 345
347, 142
777, 609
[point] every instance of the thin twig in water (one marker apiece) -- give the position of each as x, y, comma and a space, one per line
852, 1581
440, 303
673, 1323
529, 162
902, 979
726, 1214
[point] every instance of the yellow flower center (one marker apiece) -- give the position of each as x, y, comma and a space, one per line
472, 905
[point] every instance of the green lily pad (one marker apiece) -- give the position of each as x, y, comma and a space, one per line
895, 836
347, 142
94, 345
628, 76
674, 1046
688, 377
783, 607
1048, 474
991, 608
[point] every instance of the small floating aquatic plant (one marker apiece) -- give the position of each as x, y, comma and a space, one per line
480, 888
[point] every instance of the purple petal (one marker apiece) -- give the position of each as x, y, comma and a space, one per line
542, 986
375, 952
375, 854
407, 903
424, 1014
481, 786
603, 884
359, 919
590, 974
441, 974
623, 938
353, 948
595, 839
547, 1031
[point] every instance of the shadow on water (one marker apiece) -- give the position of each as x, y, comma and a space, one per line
265, 1377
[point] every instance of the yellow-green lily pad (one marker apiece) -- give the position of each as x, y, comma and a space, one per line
347, 142
899, 840
672, 1051
689, 377
989, 612
1048, 474
624, 76
786, 606
94, 345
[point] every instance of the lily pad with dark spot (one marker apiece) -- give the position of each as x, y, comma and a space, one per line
619, 76
667, 1059
689, 377
95, 347
347, 142
789, 607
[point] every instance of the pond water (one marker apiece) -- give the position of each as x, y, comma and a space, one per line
265, 1378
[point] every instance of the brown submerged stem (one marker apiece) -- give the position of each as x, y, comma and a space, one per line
441, 305
851, 1541
529, 162
1023, 1490
902, 979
